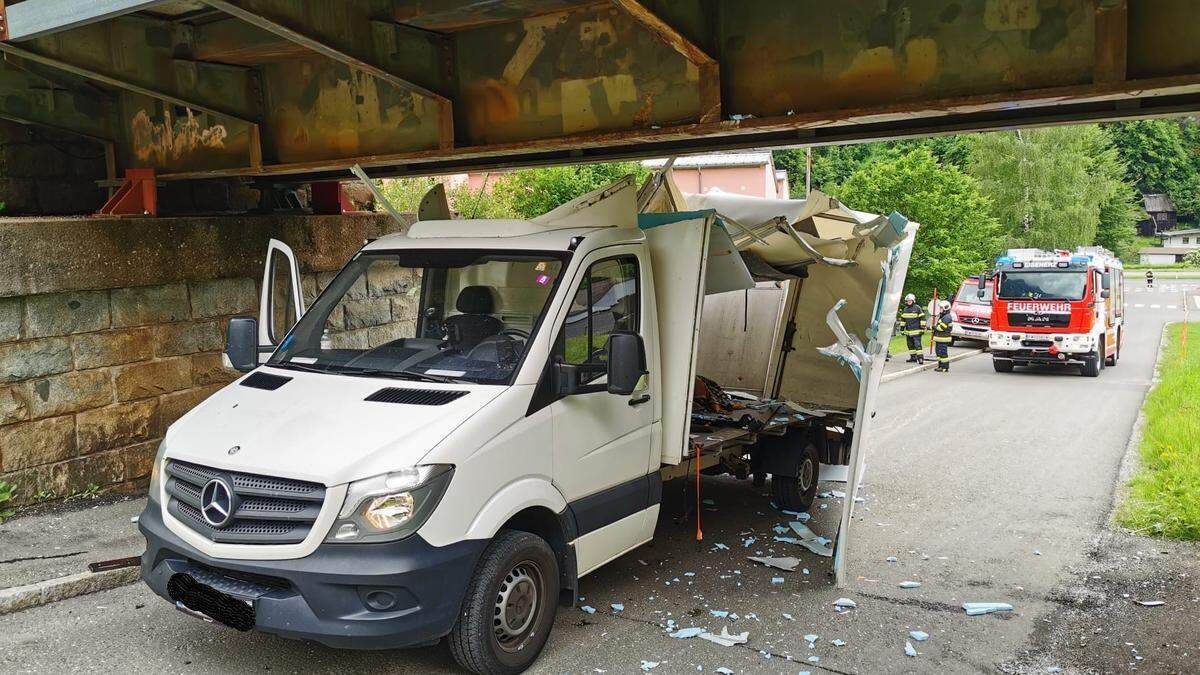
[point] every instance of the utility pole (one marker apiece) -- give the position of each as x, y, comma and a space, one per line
807, 171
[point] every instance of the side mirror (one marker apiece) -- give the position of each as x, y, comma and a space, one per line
241, 343
982, 292
626, 362
1106, 294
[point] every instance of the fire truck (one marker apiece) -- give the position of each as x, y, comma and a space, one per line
1057, 307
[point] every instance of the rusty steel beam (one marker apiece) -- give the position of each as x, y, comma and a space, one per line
710, 70
1112, 41
29, 98
277, 25
120, 83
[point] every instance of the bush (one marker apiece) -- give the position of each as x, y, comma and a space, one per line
1192, 258
6, 499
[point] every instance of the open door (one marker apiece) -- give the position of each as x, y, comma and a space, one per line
281, 302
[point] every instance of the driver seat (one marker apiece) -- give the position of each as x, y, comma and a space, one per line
475, 323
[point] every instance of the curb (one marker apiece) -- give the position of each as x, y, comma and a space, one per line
41, 593
888, 377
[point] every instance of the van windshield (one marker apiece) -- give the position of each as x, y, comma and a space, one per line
444, 316
969, 294
1042, 285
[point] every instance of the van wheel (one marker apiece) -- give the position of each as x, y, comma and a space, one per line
1002, 365
797, 493
509, 608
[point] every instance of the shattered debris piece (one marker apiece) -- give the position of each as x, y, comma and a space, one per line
845, 603
859, 500
689, 574
1151, 603
814, 659
892, 558
777, 580
709, 501
648, 666
725, 639
684, 633
1037, 552
838, 643
720, 547
977, 608
724, 671
788, 540
909, 584
824, 506
779, 529
617, 607
1053, 669
588, 608
748, 542
719, 613
805, 570
789, 617
918, 635
802, 530
811, 639
837, 494
819, 547
787, 564
909, 650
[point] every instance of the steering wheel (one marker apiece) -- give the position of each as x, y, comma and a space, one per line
514, 332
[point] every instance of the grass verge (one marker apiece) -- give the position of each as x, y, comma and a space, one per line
1164, 494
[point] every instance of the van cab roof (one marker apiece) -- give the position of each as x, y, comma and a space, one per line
517, 235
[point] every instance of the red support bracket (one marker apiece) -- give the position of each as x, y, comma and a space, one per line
3, 22
137, 196
328, 199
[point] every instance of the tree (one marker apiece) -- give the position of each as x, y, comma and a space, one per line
833, 164
1162, 156
1050, 188
958, 235
535, 191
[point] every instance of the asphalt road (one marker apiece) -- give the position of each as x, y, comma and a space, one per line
984, 487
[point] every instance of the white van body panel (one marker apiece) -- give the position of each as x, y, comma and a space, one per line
594, 549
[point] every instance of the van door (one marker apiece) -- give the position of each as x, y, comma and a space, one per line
602, 441
280, 302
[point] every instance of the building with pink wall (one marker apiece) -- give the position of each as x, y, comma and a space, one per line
744, 173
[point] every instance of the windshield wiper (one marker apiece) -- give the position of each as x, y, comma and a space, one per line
398, 374
298, 366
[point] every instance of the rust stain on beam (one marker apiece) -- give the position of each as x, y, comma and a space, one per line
272, 25
710, 70
1112, 41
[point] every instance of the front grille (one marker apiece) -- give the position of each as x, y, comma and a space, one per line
974, 320
1036, 343
266, 510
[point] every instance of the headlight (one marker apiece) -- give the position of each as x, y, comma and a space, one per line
391, 506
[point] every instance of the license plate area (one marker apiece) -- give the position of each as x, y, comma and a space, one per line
237, 613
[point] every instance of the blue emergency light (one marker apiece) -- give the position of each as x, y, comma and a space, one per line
1083, 259
1004, 260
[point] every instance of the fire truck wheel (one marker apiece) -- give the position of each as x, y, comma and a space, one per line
1092, 366
797, 493
1002, 365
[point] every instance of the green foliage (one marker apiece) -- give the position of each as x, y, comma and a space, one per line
533, 192
833, 164
405, 193
91, 492
958, 236
1058, 187
6, 499
1192, 259
1164, 495
1162, 156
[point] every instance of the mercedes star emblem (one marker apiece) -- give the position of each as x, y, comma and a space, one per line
216, 503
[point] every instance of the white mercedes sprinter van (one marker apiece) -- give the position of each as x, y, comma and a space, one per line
475, 414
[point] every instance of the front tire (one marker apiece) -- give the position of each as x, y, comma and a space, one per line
1092, 367
509, 607
796, 493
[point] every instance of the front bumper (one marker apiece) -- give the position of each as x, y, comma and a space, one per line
959, 330
1025, 357
355, 596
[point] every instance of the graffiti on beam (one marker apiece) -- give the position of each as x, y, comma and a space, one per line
160, 142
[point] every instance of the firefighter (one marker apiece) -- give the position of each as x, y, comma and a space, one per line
1149, 278
912, 319
942, 337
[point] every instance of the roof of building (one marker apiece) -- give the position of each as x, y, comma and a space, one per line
716, 159
1157, 203
1172, 233
1166, 250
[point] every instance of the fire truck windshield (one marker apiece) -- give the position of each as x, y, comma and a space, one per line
1042, 285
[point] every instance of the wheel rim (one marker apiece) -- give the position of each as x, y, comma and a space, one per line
517, 605
806, 475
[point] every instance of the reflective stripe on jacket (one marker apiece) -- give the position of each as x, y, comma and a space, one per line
941, 329
913, 318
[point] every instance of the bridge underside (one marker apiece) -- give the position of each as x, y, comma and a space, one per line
303, 89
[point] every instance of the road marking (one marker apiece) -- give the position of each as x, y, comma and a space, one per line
1141, 305
1172, 306
1155, 306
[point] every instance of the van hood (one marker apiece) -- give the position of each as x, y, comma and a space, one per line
318, 427
971, 309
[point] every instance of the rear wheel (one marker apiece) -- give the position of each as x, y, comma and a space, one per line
509, 608
797, 493
1002, 365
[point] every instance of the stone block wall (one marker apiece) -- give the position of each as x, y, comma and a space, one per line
112, 329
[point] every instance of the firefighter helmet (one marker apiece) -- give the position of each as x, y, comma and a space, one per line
944, 305
910, 298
